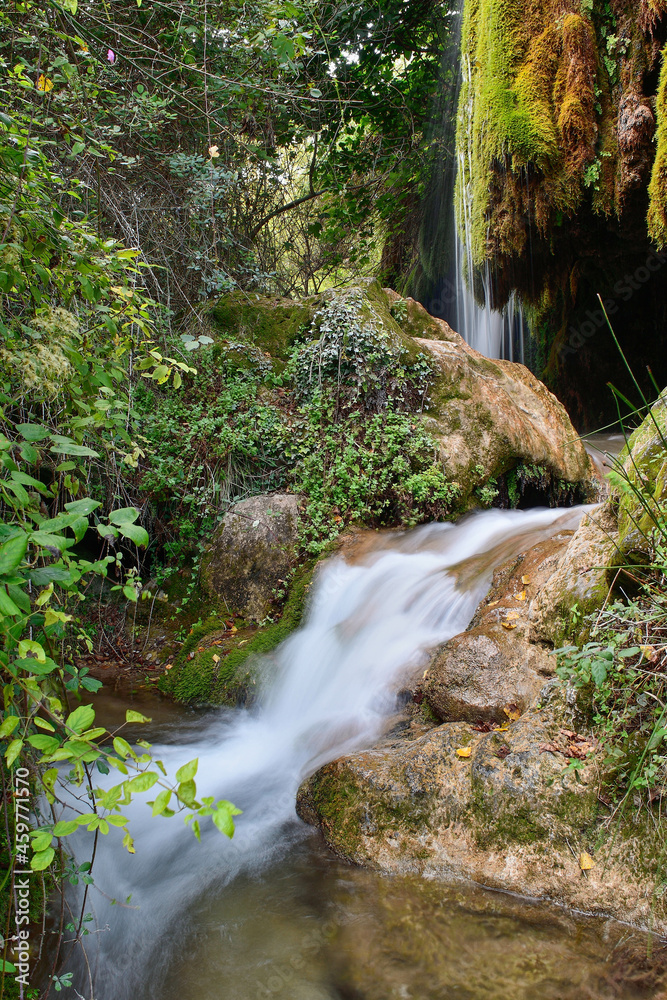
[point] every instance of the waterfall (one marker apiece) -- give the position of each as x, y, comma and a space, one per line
331, 689
463, 293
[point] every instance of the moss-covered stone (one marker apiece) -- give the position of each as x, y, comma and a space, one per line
216, 666
272, 324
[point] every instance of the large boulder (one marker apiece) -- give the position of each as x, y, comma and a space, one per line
252, 554
367, 350
503, 808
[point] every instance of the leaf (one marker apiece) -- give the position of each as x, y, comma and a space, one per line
81, 718
222, 817
525, 580
12, 751
7, 966
82, 507
123, 516
161, 802
33, 432
42, 859
135, 533
586, 862
521, 596
508, 625
65, 827
74, 449
122, 747
599, 671
8, 726
464, 751
142, 782
128, 843
7, 606
12, 552
132, 716
29, 646
187, 771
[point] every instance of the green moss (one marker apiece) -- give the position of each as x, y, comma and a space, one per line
657, 211
527, 107
223, 669
271, 324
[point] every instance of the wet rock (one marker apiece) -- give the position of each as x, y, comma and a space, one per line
485, 673
252, 553
642, 489
583, 576
493, 669
512, 815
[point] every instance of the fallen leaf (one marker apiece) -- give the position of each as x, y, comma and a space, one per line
464, 751
512, 712
492, 604
586, 862
508, 625
521, 596
168, 666
525, 580
503, 751
502, 729
484, 727
550, 748
216, 658
425, 675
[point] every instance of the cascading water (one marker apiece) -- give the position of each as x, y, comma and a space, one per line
446, 239
331, 689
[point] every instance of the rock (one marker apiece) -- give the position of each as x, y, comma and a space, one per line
485, 673
512, 815
366, 348
583, 576
492, 669
252, 553
494, 414
642, 488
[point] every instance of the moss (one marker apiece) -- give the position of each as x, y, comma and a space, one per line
223, 669
527, 120
271, 324
657, 212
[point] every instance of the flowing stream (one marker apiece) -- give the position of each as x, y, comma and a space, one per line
272, 913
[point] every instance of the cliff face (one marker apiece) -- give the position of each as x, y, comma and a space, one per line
562, 186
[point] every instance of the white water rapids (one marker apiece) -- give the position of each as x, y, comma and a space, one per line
331, 689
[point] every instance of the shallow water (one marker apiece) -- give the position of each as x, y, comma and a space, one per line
229, 919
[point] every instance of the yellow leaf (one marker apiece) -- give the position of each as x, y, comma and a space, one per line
168, 666
508, 625
502, 729
216, 658
586, 862
521, 596
425, 675
492, 604
525, 580
464, 751
213, 152
512, 713
44, 83
647, 651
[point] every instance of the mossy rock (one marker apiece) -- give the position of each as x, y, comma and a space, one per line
642, 487
269, 323
219, 667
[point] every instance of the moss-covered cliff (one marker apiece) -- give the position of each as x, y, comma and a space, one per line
562, 186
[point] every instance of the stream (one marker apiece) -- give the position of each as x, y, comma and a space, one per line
272, 912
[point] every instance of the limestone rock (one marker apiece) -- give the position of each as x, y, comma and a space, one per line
512, 815
494, 414
252, 553
492, 668
583, 576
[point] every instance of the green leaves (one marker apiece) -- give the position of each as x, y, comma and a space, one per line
81, 718
12, 553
